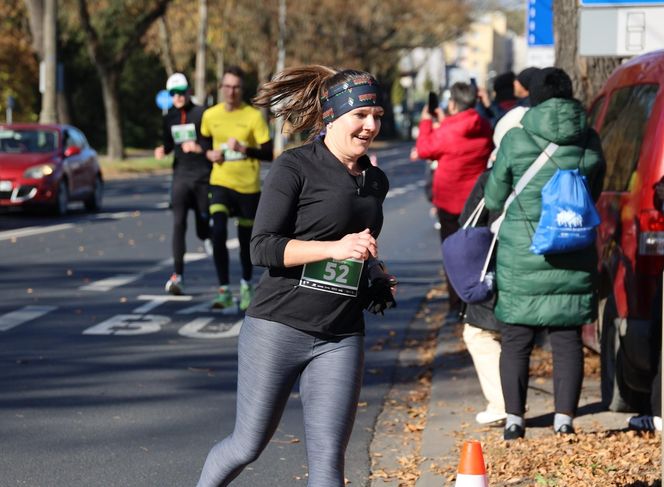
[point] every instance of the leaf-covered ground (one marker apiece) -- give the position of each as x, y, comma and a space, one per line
593, 457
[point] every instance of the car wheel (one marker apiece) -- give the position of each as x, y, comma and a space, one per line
61, 199
93, 202
616, 394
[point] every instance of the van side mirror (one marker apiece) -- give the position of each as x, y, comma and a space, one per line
72, 150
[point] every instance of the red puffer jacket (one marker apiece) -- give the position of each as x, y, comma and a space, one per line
462, 145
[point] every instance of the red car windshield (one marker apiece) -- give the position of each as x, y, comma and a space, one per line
27, 141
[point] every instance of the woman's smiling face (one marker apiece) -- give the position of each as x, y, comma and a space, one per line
353, 132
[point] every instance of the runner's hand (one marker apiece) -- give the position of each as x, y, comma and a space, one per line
234, 145
379, 273
215, 155
190, 146
159, 152
359, 246
380, 295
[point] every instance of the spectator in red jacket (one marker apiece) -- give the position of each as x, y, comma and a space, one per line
461, 143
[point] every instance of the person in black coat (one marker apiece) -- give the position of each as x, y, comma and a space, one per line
481, 331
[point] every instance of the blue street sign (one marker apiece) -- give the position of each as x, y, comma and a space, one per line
539, 21
164, 100
618, 3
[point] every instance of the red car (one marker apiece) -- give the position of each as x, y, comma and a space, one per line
48, 166
628, 113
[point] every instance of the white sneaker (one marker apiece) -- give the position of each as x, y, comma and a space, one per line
207, 245
489, 418
175, 285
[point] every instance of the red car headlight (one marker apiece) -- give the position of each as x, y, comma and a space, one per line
38, 172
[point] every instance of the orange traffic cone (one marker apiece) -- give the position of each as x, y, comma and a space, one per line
471, 471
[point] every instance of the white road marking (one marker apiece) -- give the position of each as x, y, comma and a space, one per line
117, 215
233, 243
390, 152
30, 231
131, 324
110, 282
194, 329
404, 189
20, 316
207, 308
155, 300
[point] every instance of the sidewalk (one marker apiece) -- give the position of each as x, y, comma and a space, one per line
431, 407
456, 397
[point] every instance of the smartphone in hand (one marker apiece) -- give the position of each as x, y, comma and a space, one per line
433, 103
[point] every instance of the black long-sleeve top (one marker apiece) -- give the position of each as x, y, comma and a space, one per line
188, 165
309, 195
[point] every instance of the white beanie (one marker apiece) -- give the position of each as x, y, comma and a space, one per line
177, 81
510, 120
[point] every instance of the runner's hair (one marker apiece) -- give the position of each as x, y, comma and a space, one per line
295, 93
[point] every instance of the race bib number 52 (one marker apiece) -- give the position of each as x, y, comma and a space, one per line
333, 276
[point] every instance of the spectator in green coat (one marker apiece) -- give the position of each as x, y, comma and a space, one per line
557, 293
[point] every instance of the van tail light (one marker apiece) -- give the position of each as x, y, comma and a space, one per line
651, 235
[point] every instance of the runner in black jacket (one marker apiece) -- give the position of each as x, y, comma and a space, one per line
315, 230
191, 173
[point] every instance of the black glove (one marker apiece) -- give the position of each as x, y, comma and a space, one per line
380, 294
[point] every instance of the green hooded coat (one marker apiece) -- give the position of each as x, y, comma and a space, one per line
544, 290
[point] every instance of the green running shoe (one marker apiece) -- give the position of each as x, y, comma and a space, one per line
224, 299
246, 295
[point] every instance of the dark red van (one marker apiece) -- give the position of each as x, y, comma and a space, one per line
628, 113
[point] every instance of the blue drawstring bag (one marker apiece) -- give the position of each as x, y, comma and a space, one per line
568, 219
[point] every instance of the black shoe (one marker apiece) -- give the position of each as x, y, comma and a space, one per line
453, 316
514, 431
566, 429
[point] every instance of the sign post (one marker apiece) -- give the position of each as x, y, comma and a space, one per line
164, 101
539, 25
11, 103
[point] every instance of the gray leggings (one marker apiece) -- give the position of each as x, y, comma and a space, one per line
271, 357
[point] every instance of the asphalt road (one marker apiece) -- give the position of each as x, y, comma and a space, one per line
108, 381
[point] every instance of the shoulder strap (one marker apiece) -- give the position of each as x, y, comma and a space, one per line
525, 179
475, 215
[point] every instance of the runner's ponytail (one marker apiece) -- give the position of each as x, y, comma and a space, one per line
297, 93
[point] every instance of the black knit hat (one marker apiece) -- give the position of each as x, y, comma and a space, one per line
550, 83
525, 77
503, 85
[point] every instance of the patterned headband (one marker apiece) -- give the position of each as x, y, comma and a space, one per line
360, 91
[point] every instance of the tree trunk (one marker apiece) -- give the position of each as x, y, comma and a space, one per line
201, 52
48, 112
166, 50
264, 77
36, 20
219, 58
110, 64
587, 73
111, 94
